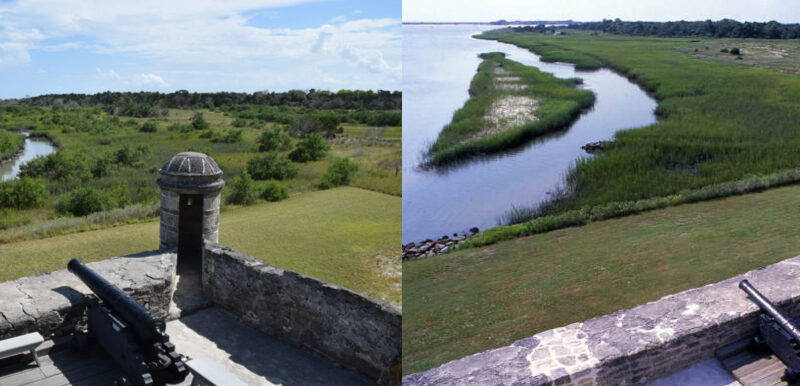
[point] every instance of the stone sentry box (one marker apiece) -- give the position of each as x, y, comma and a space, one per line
190, 192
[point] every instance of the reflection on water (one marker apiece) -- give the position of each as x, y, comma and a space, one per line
34, 147
438, 65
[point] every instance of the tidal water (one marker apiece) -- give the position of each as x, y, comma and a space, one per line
438, 65
34, 147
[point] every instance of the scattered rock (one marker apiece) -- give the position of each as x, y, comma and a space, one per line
592, 147
428, 247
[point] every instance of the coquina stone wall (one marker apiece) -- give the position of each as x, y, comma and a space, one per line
346, 327
53, 303
633, 346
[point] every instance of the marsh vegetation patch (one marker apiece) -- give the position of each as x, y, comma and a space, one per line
510, 104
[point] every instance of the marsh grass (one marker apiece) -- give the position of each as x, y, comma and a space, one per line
559, 103
10, 143
718, 121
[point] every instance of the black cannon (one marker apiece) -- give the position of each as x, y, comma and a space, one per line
128, 332
777, 330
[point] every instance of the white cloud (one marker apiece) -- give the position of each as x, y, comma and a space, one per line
202, 36
13, 54
151, 80
110, 74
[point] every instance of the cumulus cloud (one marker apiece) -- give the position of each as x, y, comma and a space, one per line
199, 35
151, 80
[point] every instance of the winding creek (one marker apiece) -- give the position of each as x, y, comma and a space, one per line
438, 65
34, 147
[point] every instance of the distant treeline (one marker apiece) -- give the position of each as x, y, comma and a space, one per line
725, 28
148, 104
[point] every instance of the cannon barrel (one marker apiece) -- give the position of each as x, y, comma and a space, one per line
146, 325
781, 318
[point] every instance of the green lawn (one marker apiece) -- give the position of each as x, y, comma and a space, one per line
346, 236
475, 299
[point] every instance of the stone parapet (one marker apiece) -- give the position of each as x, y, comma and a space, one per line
346, 327
630, 347
53, 303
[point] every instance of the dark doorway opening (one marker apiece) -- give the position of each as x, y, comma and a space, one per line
190, 232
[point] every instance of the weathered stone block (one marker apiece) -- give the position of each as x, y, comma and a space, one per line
348, 328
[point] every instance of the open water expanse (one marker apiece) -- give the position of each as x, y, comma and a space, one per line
438, 65
34, 147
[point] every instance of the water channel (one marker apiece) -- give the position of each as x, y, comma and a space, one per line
34, 147
438, 65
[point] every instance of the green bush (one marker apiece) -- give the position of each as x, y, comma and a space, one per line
60, 166
312, 148
274, 139
199, 123
230, 136
23, 193
338, 174
148, 127
244, 190
85, 200
271, 165
275, 191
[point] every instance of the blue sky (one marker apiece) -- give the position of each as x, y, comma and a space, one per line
88, 46
784, 11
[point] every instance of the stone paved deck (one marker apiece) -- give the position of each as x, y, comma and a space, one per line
707, 373
252, 356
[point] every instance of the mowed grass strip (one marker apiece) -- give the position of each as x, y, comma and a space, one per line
346, 236
471, 300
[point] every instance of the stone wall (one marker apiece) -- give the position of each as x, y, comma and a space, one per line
630, 346
53, 303
346, 327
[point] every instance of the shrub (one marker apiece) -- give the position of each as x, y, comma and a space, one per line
271, 165
327, 124
275, 191
199, 123
23, 193
274, 139
102, 167
148, 127
735, 51
83, 201
312, 148
230, 136
60, 166
244, 190
338, 174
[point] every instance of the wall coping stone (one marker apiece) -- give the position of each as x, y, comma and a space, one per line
53, 303
631, 346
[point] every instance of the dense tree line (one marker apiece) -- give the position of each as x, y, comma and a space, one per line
725, 28
140, 104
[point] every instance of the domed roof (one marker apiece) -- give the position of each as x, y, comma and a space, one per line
191, 164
